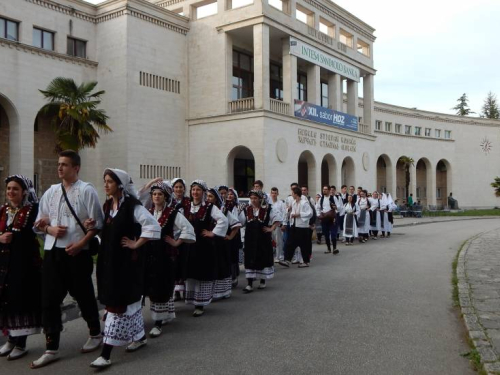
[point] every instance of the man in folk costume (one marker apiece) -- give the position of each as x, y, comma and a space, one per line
391, 206
128, 226
68, 264
208, 222
161, 256
326, 210
300, 214
260, 221
277, 235
20, 262
312, 220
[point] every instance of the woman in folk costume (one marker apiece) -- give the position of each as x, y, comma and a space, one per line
260, 220
233, 237
364, 216
161, 255
222, 288
375, 214
120, 271
351, 213
180, 200
388, 204
208, 222
20, 263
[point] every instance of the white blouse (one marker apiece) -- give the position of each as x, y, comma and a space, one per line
149, 225
217, 215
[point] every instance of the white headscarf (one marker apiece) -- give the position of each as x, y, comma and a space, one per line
127, 185
30, 196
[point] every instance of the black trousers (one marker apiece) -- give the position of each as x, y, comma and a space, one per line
298, 237
63, 274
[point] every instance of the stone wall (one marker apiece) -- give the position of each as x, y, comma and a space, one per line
4, 151
45, 163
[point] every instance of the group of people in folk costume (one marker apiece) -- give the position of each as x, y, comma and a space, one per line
165, 240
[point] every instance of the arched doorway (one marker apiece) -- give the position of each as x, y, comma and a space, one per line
348, 172
8, 120
307, 171
401, 192
44, 155
443, 182
241, 169
423, 167
384, 174
328, 169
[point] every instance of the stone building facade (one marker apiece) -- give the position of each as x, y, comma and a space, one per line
226, 91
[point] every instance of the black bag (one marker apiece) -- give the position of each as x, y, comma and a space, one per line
312, 220
94, 242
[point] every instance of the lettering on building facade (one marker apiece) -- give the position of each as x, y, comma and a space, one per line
326, 140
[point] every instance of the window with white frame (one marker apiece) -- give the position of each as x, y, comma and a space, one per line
407, 129
9, 29
427, 132
437, 133
418, 130
388, 126
378, 125
397, 128
447, 134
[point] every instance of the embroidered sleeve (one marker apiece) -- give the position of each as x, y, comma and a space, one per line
91, 202
221, 222
184, 228
149, 226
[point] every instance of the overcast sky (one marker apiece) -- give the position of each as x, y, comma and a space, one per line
429, 52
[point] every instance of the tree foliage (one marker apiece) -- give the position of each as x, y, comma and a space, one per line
407, 162
462, 107
496, 186
490, 107
73, 112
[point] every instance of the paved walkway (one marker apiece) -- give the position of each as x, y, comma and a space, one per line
478, 274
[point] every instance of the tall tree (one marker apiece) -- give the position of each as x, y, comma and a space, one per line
490, 107
496, 186
462, 107
74, 114
407, 162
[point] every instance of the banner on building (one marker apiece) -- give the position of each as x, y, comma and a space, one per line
325, 116
315, 56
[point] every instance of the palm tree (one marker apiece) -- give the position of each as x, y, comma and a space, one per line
407, 163
496, 186
74, 114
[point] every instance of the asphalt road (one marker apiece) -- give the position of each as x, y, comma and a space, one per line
384, 307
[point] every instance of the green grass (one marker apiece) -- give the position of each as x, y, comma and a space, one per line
488, 212
454, 277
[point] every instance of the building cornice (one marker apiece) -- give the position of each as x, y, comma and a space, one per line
323, 8
433, 116
127, 8
48, 54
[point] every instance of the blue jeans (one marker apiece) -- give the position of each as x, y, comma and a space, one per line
330, 231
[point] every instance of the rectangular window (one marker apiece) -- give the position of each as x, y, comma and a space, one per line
304, 15
437, 133
234, 4
447, 134
398, 128
363, 48
407, 129
427, 132
9, 29
388, 126
77, 48
302, 86
278, 4
242, 76
326, 27
346, 38
378, 125
324, 94
43, 39
418, 130
205, 10
276, 81
438, 193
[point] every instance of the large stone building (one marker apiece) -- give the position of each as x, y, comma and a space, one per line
229, 91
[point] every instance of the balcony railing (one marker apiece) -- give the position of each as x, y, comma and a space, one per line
363, 128
241, 105
279, 106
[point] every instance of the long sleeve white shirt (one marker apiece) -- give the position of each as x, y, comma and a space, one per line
303, 209
85, 202
149, 225
221, 222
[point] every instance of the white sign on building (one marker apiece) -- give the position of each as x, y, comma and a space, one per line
315, 56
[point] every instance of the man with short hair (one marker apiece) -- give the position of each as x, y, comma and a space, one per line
354, 196
312, 221
258, 185
277, 234
67, 264
329, 224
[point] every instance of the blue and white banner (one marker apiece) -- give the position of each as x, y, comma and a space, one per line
325, 116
